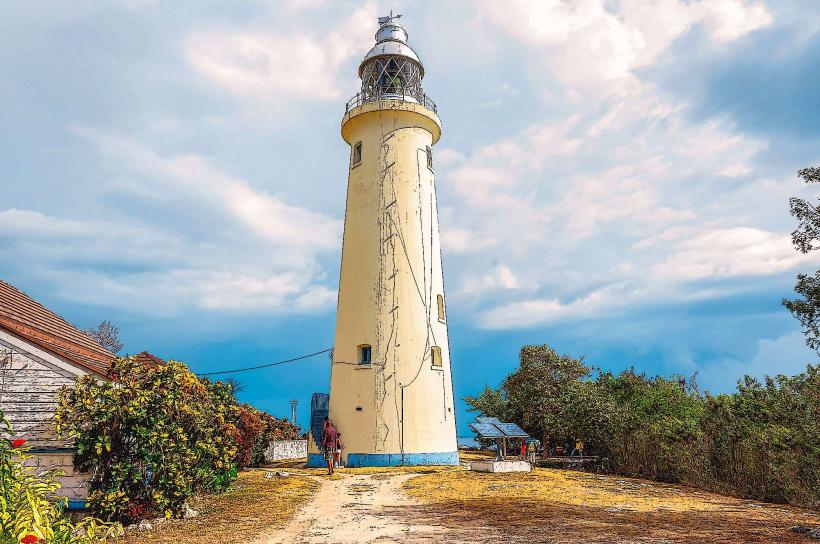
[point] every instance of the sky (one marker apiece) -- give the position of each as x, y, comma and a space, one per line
613, 178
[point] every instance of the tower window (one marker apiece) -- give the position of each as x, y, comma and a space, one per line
364, 354
436, 351
429, 158
440, 300
357, 153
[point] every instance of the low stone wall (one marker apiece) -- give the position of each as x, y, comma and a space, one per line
286, 449
500, 466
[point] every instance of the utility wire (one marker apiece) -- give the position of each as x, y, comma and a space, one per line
267, 365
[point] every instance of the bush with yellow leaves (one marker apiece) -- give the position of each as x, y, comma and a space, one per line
30, 512
151, 437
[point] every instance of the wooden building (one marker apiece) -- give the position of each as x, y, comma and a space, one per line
39, 353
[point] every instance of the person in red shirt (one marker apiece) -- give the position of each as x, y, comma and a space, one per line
329, 438
523, 449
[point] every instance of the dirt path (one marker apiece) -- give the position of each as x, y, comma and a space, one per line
542, 506
368, 508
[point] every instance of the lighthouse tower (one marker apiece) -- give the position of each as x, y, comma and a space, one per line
391, 394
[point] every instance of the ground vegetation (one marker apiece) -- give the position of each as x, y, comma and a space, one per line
30, 512
761, 441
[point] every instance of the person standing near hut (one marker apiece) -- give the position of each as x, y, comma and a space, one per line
579, 448
531, 452
523, 449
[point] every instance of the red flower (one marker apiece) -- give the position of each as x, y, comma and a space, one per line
29, 539
16, 444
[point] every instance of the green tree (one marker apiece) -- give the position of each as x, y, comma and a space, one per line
545, 395
805, 238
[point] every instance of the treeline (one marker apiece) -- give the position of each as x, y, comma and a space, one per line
761, 442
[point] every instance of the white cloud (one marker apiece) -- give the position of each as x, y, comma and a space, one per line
545, 311
172, 291
738, 251
194, 179
731, 19
262, 254
124, 241
587, 43
598, 194
499, 278
638, 212
272, 67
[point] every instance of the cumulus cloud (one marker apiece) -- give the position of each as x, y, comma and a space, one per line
584, 193
194, 179
277, 66
262, 254
618, 197
738, 251
589, 42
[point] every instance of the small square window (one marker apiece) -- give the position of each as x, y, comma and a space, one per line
364, 354
429, 158
436, 355
357, 153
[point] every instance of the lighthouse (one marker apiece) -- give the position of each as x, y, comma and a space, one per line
391, 394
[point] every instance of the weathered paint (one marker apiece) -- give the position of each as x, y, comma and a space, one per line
399, 459
391, 277
286, 449
316, 460
29, 381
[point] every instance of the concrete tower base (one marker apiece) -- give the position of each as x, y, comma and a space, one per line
317, 460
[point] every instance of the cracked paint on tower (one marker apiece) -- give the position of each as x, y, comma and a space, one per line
391, 394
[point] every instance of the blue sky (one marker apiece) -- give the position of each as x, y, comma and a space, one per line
613, 177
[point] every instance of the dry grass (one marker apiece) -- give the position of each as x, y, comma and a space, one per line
475, 455
253, 506
297, 466
547, 505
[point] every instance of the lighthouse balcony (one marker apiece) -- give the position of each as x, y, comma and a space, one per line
362, 98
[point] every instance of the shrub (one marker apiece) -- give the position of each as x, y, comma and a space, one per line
29, 510
251, 433
151, 437
257, 429
274, 429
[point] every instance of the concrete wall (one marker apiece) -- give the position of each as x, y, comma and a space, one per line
29, 381
390, 279
286, 449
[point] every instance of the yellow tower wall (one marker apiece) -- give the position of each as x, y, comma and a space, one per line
399, 409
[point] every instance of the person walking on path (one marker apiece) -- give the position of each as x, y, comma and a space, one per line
329, 438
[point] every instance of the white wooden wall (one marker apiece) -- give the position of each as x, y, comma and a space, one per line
29, 381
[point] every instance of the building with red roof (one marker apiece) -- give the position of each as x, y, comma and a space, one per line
40, 352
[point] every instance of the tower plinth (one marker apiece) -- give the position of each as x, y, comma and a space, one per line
391, 395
